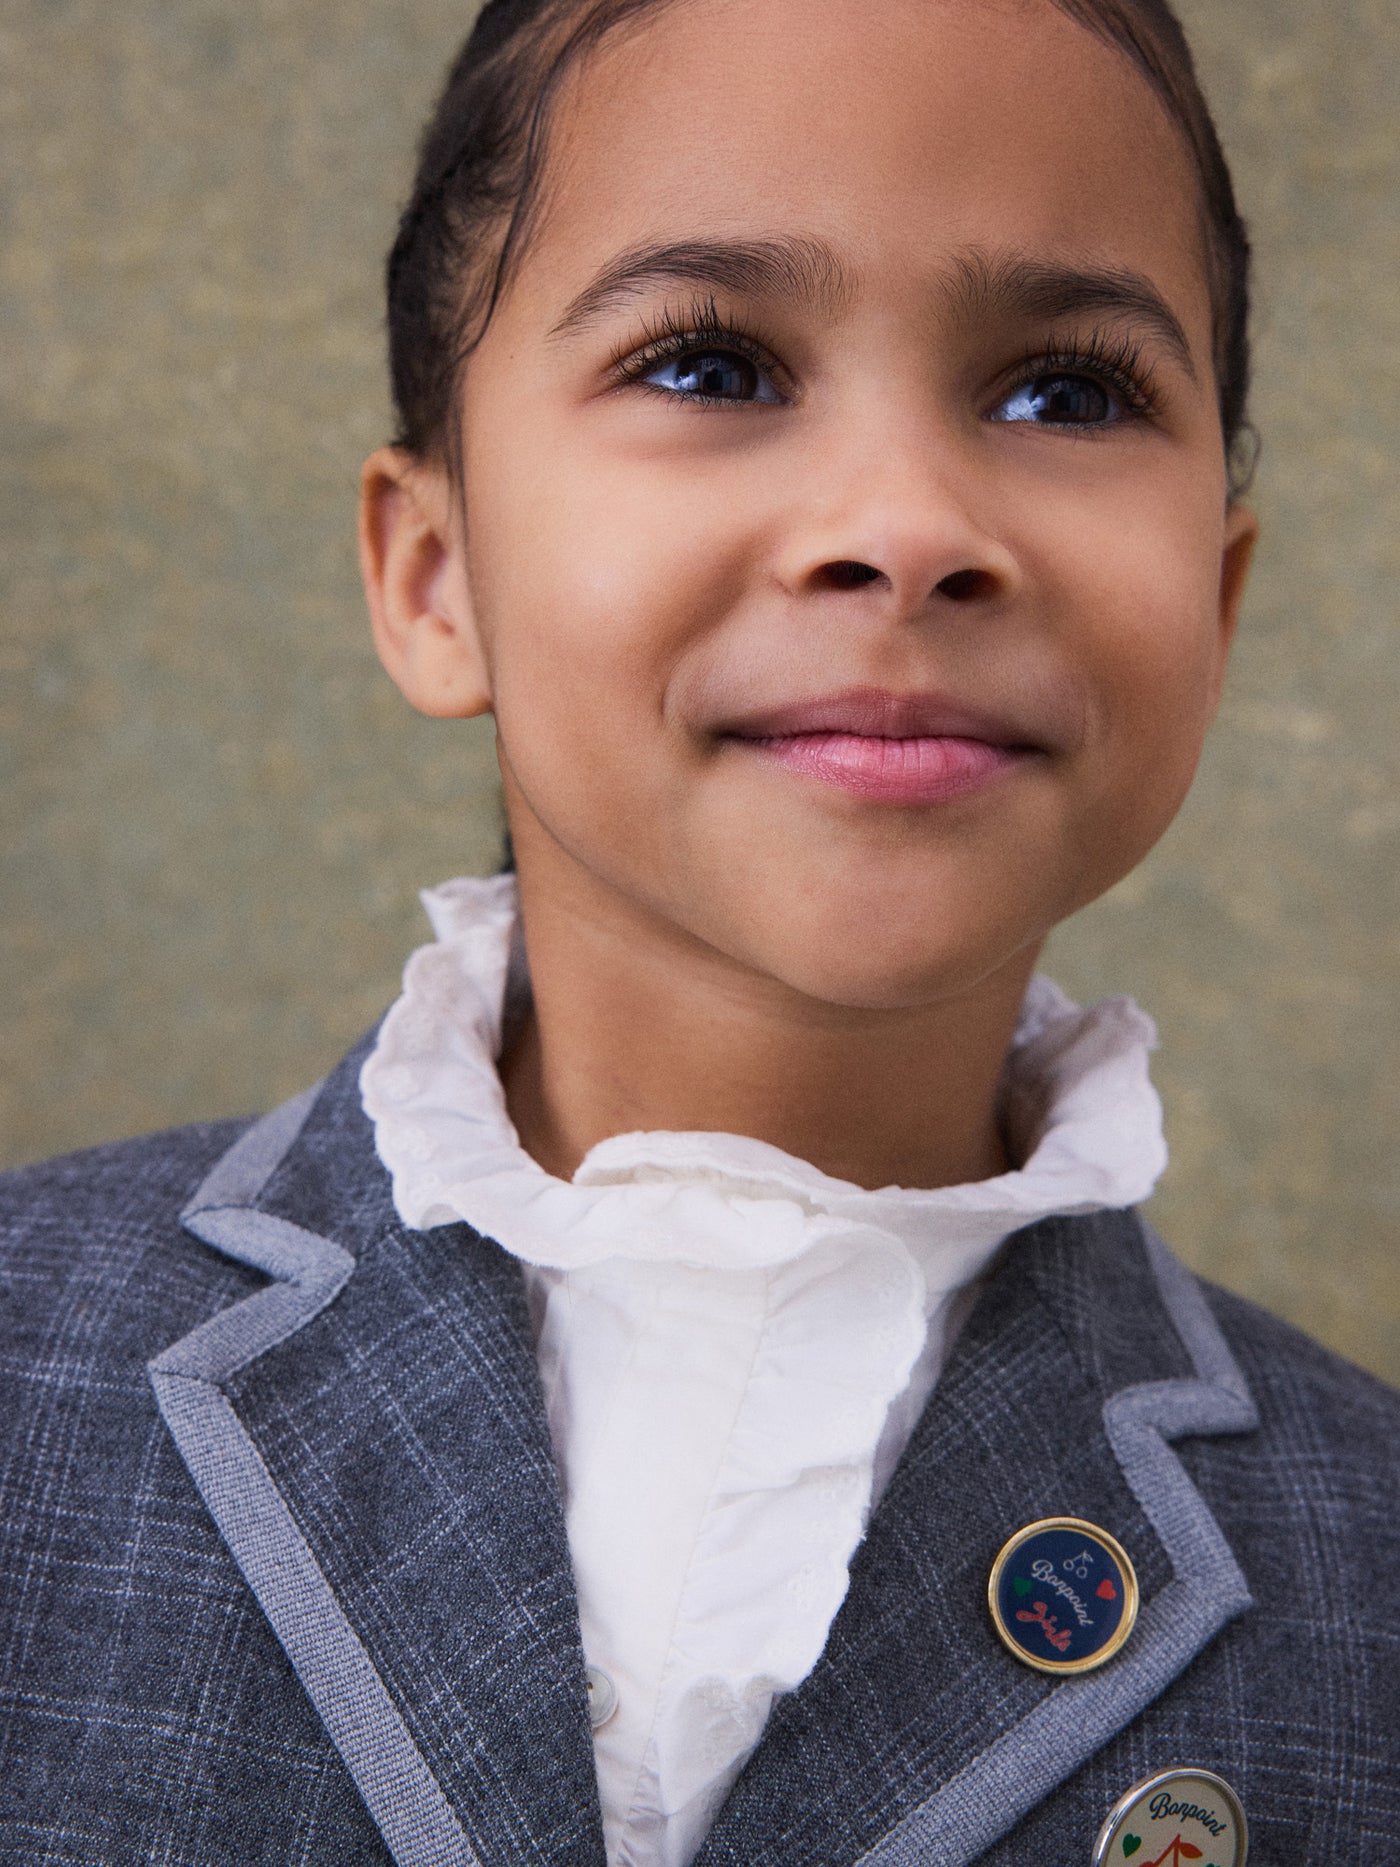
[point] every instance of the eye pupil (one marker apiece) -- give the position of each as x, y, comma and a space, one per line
718, 374
1069, 398
1064, 398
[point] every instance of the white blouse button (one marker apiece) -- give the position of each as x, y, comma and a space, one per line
602, 1696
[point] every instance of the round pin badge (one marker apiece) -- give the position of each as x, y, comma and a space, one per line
1063, 1595
1174, 1817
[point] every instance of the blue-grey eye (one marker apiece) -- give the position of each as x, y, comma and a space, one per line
1063, 400
713, 376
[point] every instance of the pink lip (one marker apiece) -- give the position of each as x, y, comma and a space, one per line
890, 748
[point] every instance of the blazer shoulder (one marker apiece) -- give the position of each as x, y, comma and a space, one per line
116, 1177
147, 1711
97, 1277
1324, 1464
92, 1251
1282, 1362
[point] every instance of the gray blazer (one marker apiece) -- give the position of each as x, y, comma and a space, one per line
284, 1576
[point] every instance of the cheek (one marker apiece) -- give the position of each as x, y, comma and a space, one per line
1135, 576
1153, 670
1173, 648
590, 600
1129, 578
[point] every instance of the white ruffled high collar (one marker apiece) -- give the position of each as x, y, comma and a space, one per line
734, 1348
1080, 1107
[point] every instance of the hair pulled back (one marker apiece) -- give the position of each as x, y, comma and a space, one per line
477, 186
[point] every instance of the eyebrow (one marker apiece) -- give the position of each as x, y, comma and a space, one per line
805, 270
1016, 284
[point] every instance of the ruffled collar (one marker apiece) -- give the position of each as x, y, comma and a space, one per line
1079, 1104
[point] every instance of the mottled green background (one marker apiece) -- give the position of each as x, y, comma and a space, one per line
216, 811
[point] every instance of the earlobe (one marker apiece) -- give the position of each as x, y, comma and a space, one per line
414, 572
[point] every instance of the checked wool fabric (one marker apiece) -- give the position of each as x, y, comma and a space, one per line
284, 1577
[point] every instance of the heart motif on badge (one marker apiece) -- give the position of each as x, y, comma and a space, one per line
1023, 1585
1149, 1824
1106, 1591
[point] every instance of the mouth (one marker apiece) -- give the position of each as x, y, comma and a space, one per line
888, 748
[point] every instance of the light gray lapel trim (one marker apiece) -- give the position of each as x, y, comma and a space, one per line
398, 1788
1013, 1775
237, 1177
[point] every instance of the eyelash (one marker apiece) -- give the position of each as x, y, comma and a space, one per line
1114, 361
670, 334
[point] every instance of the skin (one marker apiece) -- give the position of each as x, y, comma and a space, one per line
717, 941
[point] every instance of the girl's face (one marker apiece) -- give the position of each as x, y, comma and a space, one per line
846, 536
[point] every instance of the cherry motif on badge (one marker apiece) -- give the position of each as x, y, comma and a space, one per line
1063, 1595
1175, 1818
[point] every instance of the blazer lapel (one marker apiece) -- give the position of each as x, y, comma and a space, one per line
369, 1436
918, 1738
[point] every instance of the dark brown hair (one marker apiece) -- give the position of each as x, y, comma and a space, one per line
479, 166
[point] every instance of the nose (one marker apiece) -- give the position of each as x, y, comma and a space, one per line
911, 529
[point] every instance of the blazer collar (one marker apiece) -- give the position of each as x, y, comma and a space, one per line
369, 1435
918, 1737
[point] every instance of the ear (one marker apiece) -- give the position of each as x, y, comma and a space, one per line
414, 570
1241, 536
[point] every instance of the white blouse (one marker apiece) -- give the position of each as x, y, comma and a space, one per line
734, 1346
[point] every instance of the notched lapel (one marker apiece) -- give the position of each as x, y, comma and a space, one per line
918, 1739
369, 1436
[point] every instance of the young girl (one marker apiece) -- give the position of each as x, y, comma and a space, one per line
691, 1386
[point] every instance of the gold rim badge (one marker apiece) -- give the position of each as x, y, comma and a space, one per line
1063, 1595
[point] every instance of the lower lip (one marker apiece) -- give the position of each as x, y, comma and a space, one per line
890, 771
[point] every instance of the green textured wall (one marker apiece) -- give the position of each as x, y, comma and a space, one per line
214, 811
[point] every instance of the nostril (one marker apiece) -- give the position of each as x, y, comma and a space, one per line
962, 585
847, 574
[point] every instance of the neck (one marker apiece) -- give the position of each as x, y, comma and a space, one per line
636, 1027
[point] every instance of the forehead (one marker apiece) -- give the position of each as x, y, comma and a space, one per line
896, 132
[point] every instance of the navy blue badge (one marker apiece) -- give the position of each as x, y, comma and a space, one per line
1063, 1595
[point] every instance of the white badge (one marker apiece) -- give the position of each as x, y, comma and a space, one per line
1175, 1817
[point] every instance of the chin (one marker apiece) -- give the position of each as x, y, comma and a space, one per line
868, 941
870, 975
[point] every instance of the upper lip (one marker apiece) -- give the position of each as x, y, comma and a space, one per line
874, 713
